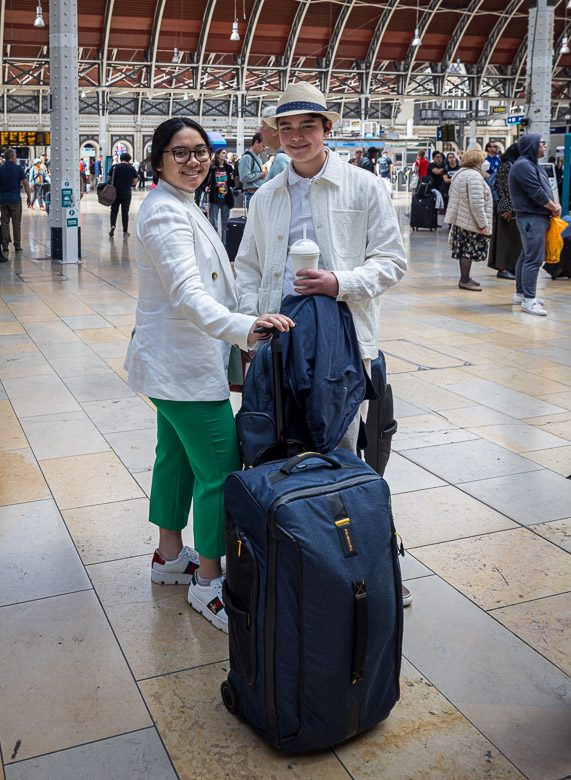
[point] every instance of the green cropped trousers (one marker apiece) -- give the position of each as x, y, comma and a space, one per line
197, 448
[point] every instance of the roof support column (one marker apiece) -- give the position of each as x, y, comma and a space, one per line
103, 129
539, 70
64, 212
364, 100
240, 106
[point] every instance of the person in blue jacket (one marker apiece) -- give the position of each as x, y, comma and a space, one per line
534, 206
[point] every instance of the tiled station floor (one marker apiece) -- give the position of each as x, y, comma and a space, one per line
105, 676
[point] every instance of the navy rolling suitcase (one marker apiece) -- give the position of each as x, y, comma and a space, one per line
234, 232
313, 596
381, 424
423, 213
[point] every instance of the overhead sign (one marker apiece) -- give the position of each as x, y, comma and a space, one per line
446, 133
499, 109
515, 119
24, 138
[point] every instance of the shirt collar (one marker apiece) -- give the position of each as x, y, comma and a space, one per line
295, 178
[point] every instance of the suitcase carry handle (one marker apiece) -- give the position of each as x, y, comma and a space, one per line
290, 464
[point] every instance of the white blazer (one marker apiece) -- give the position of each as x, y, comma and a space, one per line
357, 231
185, 320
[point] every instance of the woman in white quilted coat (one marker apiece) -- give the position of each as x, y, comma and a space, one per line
470, 212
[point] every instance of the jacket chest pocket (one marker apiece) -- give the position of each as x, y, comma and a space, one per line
349, 232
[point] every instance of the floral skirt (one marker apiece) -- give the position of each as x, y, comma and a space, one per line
466, 245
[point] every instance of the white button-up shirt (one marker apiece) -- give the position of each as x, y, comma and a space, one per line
299, 189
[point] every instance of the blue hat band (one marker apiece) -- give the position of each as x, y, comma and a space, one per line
301, 106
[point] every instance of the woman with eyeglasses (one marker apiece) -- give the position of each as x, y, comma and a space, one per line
186, 322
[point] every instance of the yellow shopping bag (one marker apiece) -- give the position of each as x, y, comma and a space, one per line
553, 240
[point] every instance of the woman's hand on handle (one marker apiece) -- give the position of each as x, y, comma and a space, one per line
279, 321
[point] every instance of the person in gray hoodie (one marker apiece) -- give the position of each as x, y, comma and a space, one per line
534, 206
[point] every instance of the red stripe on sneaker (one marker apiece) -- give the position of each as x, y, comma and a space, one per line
191, 568
158, 559
215, 605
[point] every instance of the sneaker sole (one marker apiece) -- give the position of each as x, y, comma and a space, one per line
221, 625
167, 578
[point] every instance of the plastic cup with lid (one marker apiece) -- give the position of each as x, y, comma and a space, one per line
304, 253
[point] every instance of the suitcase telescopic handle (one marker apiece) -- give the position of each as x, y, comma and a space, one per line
267, 331
278, 378
290, 464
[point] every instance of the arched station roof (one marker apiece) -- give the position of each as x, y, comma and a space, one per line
347, 47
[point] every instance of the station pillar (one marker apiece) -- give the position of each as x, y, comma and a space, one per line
539, 66
240, 106
102, 108
65, 189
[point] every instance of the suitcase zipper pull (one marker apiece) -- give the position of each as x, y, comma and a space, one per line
400, 546
239, 547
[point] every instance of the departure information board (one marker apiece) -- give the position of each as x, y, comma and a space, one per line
24, 138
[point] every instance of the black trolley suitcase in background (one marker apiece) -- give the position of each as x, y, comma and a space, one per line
234, 232
562, 269
313, 596
423, 213
381, 424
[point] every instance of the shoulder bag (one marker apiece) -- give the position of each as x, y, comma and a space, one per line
106, 193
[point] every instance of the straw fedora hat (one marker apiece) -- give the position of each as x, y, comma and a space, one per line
301, 98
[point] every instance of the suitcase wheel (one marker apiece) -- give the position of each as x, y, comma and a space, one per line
230, 699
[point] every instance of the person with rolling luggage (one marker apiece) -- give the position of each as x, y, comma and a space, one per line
342, 209
186, 323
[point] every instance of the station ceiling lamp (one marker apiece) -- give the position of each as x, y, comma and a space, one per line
235, 35
417, 40
564, 45
39, 20
175, 55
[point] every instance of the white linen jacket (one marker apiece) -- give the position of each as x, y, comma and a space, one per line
185, 323
470, 201
357, 231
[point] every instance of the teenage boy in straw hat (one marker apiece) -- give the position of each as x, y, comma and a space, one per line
345, 212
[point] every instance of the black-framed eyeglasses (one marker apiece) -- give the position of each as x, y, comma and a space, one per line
182, 155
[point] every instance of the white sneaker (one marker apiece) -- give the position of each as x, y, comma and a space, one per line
177, 572
519, 298
533, 306
207, 599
